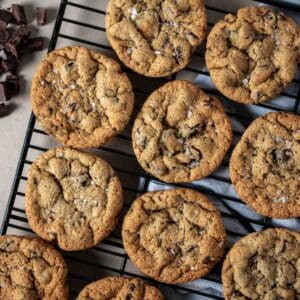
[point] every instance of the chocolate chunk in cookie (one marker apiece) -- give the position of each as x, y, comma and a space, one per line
73, 198
252, 56
263, 266
155, 38
174, 236
265, 165
81, 97
122, 288
181, 134
31, 269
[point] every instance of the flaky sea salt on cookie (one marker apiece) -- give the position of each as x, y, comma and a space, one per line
174, 236
265, 165
123, 288
81, 97
72, 198
155, 38
252, 56
181, 134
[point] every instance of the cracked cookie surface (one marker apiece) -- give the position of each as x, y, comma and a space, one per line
174, 236
265, 165
31, 269
73, 198
181, 134
252, 56
120, 288
155, 38
263, 266
81, 97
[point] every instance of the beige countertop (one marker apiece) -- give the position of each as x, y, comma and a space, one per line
13, 126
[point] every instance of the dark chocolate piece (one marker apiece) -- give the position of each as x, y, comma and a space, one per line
18, 14
4, 36
17, 42
5, 18
35, 44
10, 63
5, 93
13, 84
3, 109
41, 15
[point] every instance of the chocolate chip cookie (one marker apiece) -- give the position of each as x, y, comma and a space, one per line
265, 165
31, 269
181, 134
155, 38
174, 236
81, 97
121, 288
73, 198
263, 266
252, 56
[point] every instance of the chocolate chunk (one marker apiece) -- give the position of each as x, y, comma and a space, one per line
5, 18
13, 84
35, 44
23, 32
41, 15
5, 93
207, 260
4, 36
3, 109
13, 44
18, 14
17, 43
10, 63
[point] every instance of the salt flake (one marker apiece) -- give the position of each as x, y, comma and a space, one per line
133, 13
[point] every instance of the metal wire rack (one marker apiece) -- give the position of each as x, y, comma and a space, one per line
109, 258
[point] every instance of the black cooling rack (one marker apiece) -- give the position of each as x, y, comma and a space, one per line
109, 258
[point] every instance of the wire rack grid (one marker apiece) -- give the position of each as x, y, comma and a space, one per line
109, 257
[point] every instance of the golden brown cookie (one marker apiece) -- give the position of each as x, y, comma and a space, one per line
31, 269
73, 198
265, 165
252, 56
155, 38
181, 134
121, 288
81, 97
174, 236
263, 266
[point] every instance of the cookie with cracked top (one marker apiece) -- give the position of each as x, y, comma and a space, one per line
81, 97
122, 288
155, 38
174, 236
265, 165
252, 56
31, 269
263, 266
73, 198
181, 134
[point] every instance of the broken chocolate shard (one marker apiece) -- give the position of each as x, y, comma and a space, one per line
18, 14
23, 32
10, 63
13, 84
3, 109
4, 36
17, 43
35, 44
41, 16
5, 93
5, 18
